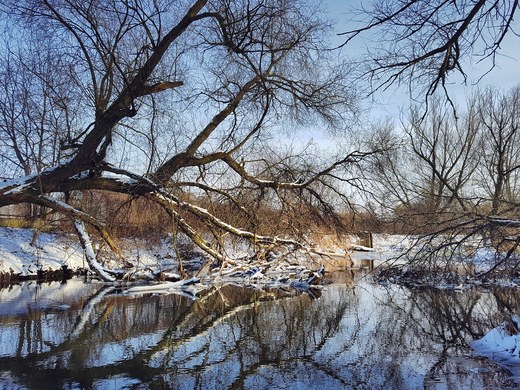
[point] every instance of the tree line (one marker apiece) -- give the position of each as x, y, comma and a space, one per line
453, 173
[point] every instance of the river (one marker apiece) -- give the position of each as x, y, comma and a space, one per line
351, 333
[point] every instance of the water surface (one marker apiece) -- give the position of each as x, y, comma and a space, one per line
80, 335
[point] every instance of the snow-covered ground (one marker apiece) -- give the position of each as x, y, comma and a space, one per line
51, 251
392, 249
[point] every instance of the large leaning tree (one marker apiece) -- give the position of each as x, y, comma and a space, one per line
159, 99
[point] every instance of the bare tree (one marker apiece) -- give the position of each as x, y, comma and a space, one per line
454, 181
34, 116
425, 175
498, 115
446, 153
204, 83
35, 110
421, 44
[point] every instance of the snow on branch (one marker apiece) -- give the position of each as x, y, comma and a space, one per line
90, 255
507, 222
207, 216
76, 214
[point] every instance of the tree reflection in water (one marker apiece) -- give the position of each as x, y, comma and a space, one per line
368, 336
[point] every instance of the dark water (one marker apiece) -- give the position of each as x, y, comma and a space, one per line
348, 335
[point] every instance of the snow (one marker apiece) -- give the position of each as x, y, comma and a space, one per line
19, 182
502, 344
17, 189
50, 253
361, 248
484, 258
386, 248
393, 249
90, 254
119, 177
16, 182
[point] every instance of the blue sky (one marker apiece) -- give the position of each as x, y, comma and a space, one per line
505, 75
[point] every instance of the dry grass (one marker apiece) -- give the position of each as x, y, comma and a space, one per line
129, 217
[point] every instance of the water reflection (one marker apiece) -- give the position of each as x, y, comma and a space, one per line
366, 336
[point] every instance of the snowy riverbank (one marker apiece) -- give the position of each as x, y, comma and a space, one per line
50, 252
23, 257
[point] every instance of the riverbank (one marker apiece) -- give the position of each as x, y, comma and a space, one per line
58, 256
52, 256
